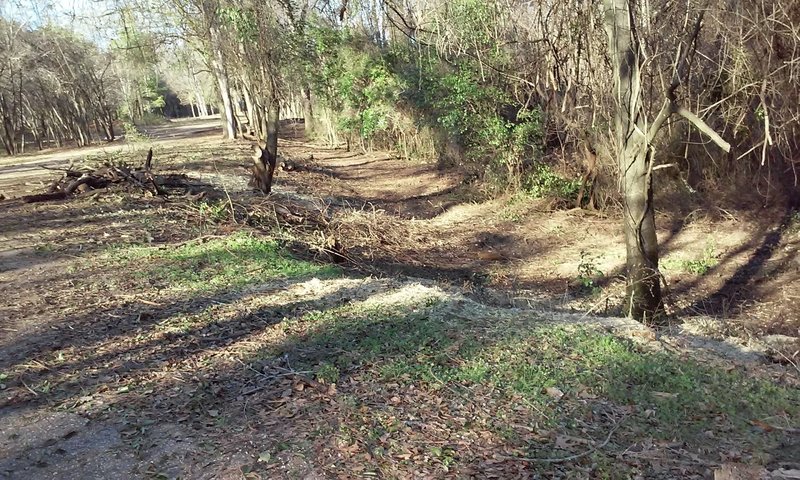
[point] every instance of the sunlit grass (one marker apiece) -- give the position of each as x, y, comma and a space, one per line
227, 263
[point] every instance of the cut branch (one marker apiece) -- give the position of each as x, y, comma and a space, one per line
704, 128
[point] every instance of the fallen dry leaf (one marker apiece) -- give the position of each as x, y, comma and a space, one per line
554, 393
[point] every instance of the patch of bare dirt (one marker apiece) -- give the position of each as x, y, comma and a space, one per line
739, 267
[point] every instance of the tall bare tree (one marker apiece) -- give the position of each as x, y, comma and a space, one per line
635, 135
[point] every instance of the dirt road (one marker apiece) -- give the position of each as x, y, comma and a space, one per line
25, 173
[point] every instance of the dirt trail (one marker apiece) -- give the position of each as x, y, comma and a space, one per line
109, 372
740, 268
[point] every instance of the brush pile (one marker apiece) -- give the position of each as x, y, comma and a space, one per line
110, 174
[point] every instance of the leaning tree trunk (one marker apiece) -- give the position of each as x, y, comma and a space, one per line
266, 159
634, 158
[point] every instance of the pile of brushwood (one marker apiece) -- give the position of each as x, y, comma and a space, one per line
110, 174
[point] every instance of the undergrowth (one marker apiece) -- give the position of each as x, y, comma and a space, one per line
697, 266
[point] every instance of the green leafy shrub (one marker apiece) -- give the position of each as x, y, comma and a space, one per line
701, 266
542, 181
589, 273
469, 115
132, 133
357, 81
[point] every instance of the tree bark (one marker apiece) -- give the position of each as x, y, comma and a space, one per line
634, 157
218, 66
267, 158
248, 103
308, 112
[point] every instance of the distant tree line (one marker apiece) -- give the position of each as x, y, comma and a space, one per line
54, 88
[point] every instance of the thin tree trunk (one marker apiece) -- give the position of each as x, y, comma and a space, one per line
634, 158
248, 103
218, 66
308, 112
9, 140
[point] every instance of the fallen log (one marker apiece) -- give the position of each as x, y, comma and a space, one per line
44, 197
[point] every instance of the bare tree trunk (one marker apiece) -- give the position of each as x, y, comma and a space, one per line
273, 124
641, 242
308, 112
267, 158
237, 111
9, 139
248, 103
109, 126
218, 66
635, 134
634, 157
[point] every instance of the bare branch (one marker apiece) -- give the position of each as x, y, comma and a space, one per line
704, 128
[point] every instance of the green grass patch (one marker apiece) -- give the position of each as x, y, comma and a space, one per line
232, 262
420, 344
697, 266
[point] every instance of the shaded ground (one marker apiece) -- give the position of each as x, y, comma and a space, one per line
144, 338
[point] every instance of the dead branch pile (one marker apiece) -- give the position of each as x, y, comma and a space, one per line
341, 232
110, 174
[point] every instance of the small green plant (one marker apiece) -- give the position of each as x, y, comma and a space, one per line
132, 133
698, 266
447, 456
327, 373
794, 223
45, 248
702, 265
213, 212
588, 273
543, 181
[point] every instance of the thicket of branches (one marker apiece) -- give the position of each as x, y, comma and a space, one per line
54, 87
523, 88
588, 101
518, 93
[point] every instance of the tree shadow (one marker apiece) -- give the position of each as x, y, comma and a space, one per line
410, 363
742, 286
225, 370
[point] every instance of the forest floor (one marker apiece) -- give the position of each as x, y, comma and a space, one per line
375, 317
